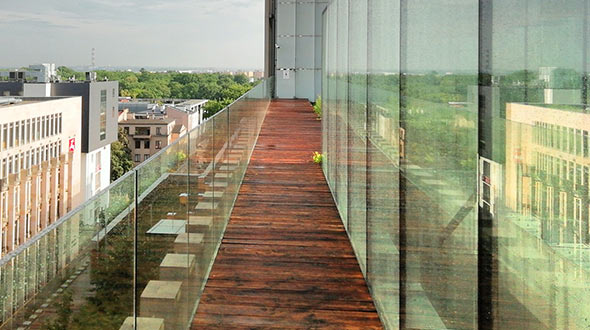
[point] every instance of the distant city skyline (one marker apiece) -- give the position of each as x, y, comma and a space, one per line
134, 33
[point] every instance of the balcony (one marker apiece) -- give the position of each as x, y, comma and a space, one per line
454, 192
142, 251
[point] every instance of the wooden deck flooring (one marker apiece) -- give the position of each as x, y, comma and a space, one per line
285, 261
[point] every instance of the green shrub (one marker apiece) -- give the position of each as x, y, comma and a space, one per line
317, 157
317, 107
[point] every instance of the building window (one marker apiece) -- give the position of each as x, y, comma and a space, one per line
158, 144
137, 158
4, 136
97, 182
103, 114
126, 130
137, 144
22, 132
146, 144
158, 131
146, 156
28, 126
4, 205
10, 136
34, 131
43, 127
142, 131
16, 133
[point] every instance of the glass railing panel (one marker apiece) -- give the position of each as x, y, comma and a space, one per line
244, 123
111, 267
166, 254
62, 277
202, 197
224, 167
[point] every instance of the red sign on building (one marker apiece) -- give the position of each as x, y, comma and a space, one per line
72, 144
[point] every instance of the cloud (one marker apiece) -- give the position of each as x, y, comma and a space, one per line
52, 18
114, 3
179, 33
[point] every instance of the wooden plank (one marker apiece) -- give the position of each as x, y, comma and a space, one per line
285, 261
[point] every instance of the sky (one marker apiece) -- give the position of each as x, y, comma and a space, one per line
148, 33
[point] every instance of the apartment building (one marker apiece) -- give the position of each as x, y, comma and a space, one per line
188, 112
147, 135
98, 122
40, 164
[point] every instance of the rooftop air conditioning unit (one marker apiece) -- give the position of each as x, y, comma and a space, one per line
90, 76
16, 75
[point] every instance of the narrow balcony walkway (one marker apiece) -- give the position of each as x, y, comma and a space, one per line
285, 260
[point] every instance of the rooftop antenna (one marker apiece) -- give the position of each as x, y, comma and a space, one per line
93, 59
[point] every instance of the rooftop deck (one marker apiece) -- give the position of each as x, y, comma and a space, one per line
285, 260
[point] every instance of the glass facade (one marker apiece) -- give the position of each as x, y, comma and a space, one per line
455, 135
138, 254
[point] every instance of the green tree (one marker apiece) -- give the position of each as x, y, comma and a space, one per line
241, 79
209, 91
65, 73
120, 156
214, 106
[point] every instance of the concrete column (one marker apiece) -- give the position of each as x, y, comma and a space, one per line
3, 222
63, 169
24, 177
35, 201
11, 212
53, 171
44, 195
70, 180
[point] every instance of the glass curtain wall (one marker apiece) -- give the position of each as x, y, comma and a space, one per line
456, 142
137, 255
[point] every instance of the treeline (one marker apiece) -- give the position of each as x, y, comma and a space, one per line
221, 89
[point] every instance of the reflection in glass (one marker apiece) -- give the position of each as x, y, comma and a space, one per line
463, 182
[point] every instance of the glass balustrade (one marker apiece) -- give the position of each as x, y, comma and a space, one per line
138, 254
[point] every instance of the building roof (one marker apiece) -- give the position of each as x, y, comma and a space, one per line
169, 107
163, 121
11, 101
178, 128
192, 102
184, 109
